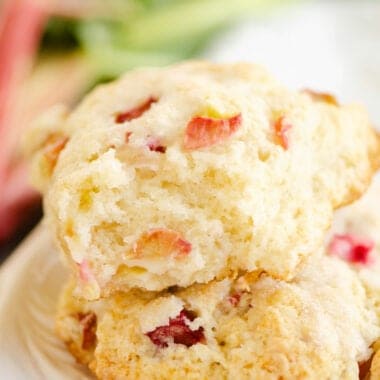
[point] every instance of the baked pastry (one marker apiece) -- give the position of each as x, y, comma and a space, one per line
318, 326
181, 175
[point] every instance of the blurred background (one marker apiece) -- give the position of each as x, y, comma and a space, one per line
55, 51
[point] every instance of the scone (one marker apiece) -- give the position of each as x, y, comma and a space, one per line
180, 175
318, 326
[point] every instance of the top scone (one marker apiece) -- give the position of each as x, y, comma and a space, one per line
171, 176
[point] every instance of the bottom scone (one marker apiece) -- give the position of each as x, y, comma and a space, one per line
319, 326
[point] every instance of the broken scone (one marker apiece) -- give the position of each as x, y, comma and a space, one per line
185, 174
318, 326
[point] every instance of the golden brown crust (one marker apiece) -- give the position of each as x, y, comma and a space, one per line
252, 327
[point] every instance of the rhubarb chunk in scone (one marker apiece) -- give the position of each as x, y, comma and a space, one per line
179, 175
321, 325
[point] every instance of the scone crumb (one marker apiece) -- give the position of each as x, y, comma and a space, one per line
159, 313
88, 322
178, 331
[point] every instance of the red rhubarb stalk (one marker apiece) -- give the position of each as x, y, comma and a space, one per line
20, 30
21, 24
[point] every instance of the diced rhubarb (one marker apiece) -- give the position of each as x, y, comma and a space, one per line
88, 323
178, 331
136, 112
203, 132
155, 145
322, 97
161, 242
352, 248
127, 136
85, 273
282, 128
53, 147
234, 299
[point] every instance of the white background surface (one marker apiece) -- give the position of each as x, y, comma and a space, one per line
333, 46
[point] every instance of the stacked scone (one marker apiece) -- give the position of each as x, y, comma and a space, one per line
191, 204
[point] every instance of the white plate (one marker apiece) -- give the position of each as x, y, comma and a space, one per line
30, 284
